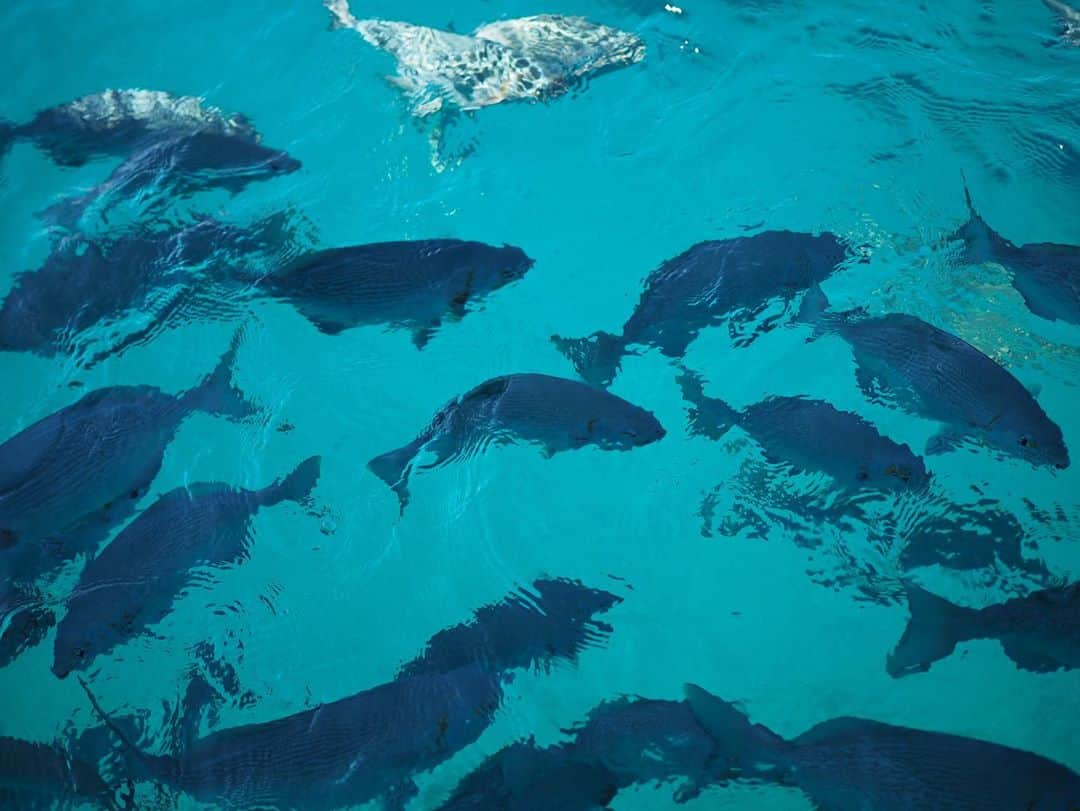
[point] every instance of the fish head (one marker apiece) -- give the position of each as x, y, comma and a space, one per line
232, 161
624, 426
897, 469
483, 268
1034, 437
75, 647
565, 599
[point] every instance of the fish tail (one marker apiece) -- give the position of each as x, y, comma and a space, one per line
297, 486
394, 468
8, 133
813, 310
155, 767
217, 393
936, 625
741, 746
721, 416
596, 358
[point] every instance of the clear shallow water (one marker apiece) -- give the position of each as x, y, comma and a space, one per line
854, 118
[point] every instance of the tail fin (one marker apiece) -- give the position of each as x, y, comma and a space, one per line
710, 416
8, 132
596, 358
217, 394
936, 625
294, 487
394, 468
156, 767
742, 747
813, 310
343, 17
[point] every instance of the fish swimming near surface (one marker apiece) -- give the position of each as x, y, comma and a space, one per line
87, 283
117, 122
1039, 632
177, 167
1045, 274
710, 282
412, 285
811, 435
924, 370
554, 413
370, 745
71, 476
852, 764
134, 582
44, 776
1070, 20
527, 58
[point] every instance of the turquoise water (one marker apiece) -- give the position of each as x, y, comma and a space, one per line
856, 118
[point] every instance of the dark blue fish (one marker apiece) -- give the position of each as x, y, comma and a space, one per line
117, 122
370, 745
853, 764
68, 478
411, 285
551, 412
85, 282
1045, 274
930, 372
44, 776
25, 619
133, 583
165, 170
708, 283
811, 435
1040, 632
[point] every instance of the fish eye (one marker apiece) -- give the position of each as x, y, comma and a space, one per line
1024, 441
80, 653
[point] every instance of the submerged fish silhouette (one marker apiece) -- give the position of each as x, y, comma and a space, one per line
1045, 274
133, 583
116, 122
703, 286
810, 435
930, 372
1040, 632
851, 764
551, 412
370, 745
39, 775
414, 285
527, 58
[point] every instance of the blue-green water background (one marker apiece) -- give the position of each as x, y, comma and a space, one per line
847, 116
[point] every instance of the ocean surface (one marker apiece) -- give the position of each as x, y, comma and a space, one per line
857, 118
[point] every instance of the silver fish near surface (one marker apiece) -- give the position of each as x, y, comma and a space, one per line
526, 58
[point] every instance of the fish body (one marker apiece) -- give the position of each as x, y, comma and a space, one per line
1046, 275
811, 435
852, 764
133, 583
116, 122
701, 287
935, 374
527, 58
178, 167
1070, 20
1040, 632
39, 776
413, 285
551, 412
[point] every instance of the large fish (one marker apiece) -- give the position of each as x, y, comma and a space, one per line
1040, 632
811, 435
370, 745
177, 167
116, 122
551, 412
85, 283
1047, 275
413, 285
69, 477
703, 286
133, 583
527, 58
930, 372
44, 776
853, 764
